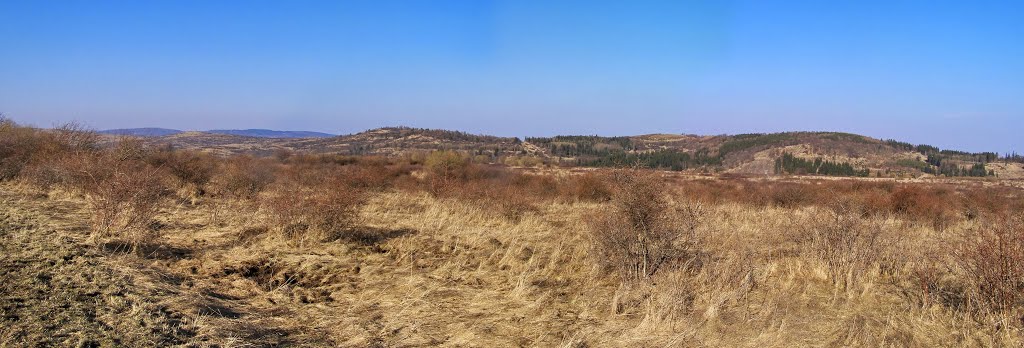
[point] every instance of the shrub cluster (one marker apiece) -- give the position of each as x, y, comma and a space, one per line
122, 189
936, 205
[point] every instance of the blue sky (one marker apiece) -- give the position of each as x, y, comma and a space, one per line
939, 72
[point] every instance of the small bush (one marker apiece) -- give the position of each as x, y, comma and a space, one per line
508, 200
123, 193
792, 195
445, 170
17, 145
245, 176
34, 154
314, 212
188, 167
375, 174
635, 235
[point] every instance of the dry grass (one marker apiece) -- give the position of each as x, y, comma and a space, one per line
759, 263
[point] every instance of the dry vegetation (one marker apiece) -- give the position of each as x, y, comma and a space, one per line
130, 245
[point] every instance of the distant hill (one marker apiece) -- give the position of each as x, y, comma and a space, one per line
810, 153
142, 132
258, 133
267, 133
381, 141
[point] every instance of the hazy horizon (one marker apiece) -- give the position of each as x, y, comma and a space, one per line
939, 73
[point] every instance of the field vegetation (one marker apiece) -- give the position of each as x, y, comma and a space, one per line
129, 244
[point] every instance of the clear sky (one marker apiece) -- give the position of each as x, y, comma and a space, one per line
947, 73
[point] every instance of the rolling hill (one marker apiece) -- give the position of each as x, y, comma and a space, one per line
141, 132
268, 133
812, 153
258, 133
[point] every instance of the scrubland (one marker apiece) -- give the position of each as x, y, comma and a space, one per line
128, 245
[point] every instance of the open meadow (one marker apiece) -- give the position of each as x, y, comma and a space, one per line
135, 245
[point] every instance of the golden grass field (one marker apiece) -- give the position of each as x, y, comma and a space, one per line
429, 271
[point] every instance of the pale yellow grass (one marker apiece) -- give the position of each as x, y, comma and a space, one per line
434, 272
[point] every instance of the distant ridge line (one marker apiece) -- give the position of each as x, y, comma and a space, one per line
258, 133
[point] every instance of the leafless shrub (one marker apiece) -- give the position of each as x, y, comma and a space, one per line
375, 173
123, 193
33, 154
921, 204
792, 195
508, 200
992, 258
315, 212
445, 170
244, 176
847, 244
927, 268
587, 187
188, 167
17, 145
636, 234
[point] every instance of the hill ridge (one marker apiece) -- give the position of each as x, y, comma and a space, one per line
793, 152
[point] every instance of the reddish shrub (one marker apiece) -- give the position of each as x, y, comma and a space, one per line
916, 202
587, 187
313, 212
375, 174
189, 167
992, 257
38, 153
792, 195
123, 192
17, 145
245, 176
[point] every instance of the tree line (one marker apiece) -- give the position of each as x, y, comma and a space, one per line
789, 164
